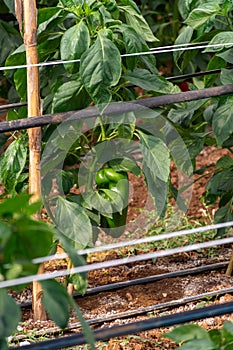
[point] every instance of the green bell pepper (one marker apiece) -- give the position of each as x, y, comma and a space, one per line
108, 178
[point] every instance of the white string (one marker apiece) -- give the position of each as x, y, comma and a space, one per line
112, 263
152, 51
136, 241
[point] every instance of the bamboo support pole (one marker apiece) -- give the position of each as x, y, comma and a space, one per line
34, 134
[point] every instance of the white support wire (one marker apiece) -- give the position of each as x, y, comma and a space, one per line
149, 239
112, 263
158, 50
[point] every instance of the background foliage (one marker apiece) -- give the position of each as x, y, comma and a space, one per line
98, 33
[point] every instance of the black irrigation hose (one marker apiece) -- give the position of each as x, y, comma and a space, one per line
184, 77
12, 105
134, 327
149, 279
116, 108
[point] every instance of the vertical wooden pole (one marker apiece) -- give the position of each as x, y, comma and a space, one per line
34, 134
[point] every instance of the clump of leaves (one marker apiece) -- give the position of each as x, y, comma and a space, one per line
193, 337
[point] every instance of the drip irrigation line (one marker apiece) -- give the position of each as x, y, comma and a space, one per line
144, 280
12, 105
168, 305
116, 108
130, 243
152, 51
113, 263
134, 327
182, 77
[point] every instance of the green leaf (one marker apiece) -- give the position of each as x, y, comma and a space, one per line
3, 344
200, 15
5, 233
90, 339
57, 307
133, 43
17, 57
74, 43
215, 63
9, 40
95, 200
12, 164
225, 162
226, 76
223, 121
200, 344
221, 182
10, 314
100, 69
31, 239
20, 80
156, 155
227, 56
137, 21
186, 333
223, 214
223, 38
48, 17
71, 219
227, 331
126, 164
70, 96
157, 188
150, 82
184, 37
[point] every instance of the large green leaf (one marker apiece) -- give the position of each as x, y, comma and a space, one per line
10, 314
157, 188
226, 76
223, 121
74, 43
227, 56
223, 38
186, 333
150, 82
9, 40
57, 307
73, 222
156, 155
12, 164
133, 43
183, 38
70, 96
138, 22
200, 15
221, 182
200, 344
31, 239
101, 69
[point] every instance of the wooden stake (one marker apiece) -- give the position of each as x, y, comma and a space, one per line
230, 266
33, 97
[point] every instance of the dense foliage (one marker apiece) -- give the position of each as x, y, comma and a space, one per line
97, 38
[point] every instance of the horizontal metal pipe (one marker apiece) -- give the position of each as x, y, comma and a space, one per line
116, 108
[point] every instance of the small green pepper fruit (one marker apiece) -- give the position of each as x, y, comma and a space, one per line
108, 178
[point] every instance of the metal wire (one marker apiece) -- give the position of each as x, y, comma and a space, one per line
130, 243
153, 51
113, 263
